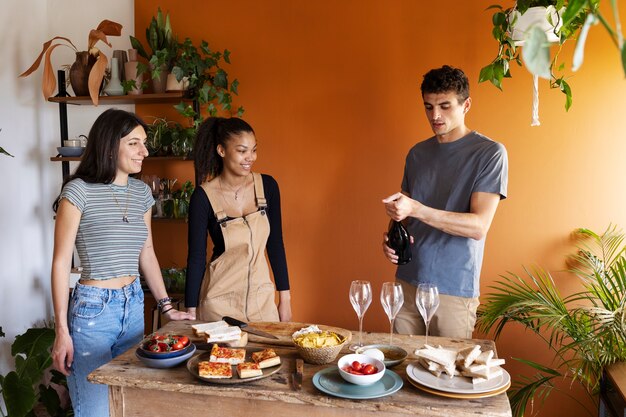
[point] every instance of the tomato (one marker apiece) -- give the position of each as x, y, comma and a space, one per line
357, 366
157, 337
178, 345
369, 369
184, 340
152, 347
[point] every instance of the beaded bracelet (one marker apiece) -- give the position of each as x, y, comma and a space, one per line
163, 301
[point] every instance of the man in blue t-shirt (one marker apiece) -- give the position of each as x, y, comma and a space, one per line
451, 188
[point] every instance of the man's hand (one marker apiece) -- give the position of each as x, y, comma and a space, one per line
398, 206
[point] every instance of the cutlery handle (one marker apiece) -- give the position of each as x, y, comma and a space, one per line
234, 322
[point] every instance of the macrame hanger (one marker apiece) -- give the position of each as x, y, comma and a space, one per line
535, 117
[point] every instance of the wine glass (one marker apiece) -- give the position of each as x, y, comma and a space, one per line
360, 298
392, 298
427, 300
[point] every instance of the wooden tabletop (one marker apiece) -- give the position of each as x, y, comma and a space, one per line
133, 384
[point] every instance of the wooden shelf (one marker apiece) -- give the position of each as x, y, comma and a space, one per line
150, 158
127, 99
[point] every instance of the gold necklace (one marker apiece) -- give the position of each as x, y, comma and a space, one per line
125, 212
232, 189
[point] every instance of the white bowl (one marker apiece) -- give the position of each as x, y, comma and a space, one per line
360, 379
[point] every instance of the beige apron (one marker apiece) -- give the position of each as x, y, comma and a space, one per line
237, 283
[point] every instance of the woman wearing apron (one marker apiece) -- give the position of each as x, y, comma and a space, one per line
240, 210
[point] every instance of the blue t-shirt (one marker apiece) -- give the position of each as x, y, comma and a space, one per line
444, 176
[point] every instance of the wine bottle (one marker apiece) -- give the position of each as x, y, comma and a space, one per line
400, 241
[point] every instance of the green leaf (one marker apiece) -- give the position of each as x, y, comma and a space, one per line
624, 58
227, 56
221, 79
565, 88
49, 397
536, 53
486, 73
19, 395
2, 151
136, 44
579, 52
234, 86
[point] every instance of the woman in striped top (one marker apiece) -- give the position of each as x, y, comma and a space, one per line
106, 214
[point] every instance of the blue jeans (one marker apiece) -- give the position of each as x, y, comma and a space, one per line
103, 323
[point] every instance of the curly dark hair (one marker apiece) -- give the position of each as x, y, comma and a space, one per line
446, 79
212, 132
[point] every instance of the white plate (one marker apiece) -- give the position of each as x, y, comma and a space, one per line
456, 385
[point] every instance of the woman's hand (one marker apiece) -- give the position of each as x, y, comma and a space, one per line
175, 315
62, 352
192, 312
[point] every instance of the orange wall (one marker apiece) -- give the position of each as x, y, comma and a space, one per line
332, 90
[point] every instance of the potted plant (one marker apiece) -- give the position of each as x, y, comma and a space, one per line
87, 72
585, 330
208, 83
32, 384
572, 22
163, 46
181, 200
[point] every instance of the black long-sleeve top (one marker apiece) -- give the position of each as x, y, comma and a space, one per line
202, 220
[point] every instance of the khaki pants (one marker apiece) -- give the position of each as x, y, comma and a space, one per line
455, 317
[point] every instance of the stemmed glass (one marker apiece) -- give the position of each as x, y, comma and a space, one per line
360, 298
427, 300
392, 298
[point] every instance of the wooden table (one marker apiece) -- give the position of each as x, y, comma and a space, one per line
136, 390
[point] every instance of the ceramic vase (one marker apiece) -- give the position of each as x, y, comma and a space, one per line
131, 70
122, 59
114, 86
174, 85
79, 73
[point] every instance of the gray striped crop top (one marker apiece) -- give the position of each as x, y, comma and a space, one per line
108, 246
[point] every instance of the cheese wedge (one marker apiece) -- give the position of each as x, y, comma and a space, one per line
249, 370
202, 329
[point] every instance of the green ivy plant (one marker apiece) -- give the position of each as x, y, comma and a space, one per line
586, 331
24, 388
208, 82
576, 18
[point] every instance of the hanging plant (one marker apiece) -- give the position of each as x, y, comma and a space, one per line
570, 20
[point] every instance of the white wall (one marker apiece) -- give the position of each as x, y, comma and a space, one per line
30, 131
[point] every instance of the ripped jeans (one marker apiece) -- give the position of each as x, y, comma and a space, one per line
103, 323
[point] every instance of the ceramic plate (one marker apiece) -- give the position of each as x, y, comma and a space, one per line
459, 396
164, 362
456, 385
330, 382
394, 355
192, 366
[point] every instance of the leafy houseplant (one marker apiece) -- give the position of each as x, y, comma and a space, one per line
573, 22
181, 200
162, 43
24, 388
174, 280
207, 80
586, 330
91, 57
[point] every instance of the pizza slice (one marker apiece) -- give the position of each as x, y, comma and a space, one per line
266, 358
249, 370
208, 369
227, 355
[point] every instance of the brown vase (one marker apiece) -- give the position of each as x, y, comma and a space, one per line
79, 73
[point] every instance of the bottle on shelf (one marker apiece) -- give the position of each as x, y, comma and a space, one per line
400, 241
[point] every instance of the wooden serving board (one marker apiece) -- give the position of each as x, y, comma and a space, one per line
282, 330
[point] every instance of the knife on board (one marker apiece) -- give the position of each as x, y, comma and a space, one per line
297, 375
244, 326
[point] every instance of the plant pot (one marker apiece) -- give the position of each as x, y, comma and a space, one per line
535, 16
174, 85
159, 83
130, 68
114, 86
79, 73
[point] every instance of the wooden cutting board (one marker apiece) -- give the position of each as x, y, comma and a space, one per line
282, 330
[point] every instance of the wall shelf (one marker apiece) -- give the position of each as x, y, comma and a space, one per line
127, 99
149, 158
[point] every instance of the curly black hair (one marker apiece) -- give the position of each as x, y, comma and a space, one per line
446, 79
212, 132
